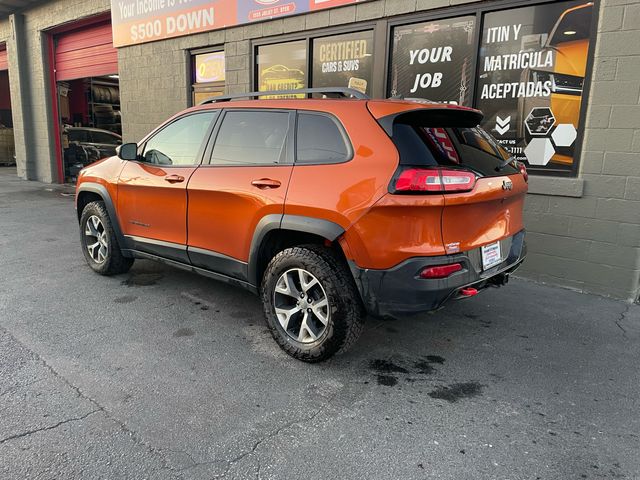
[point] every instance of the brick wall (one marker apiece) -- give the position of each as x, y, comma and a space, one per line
29, 82
592, 242
4, 29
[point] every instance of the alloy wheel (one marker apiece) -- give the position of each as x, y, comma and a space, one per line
301, 305
96, 239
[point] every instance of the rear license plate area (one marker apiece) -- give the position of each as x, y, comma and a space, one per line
491, 255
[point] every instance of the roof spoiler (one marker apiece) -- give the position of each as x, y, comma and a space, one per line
432, 116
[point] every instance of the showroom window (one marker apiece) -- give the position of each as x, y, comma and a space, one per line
434, 60
531, 71
524, 67
282, 66
525, 70
343, 61
208, 75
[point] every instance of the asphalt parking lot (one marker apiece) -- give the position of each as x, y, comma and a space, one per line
161, 374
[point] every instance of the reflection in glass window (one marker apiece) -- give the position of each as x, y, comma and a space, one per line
319, 140
282, 66
433, 60
344, 61
78, 135
179, 142
251, 138
478, 138
105, 137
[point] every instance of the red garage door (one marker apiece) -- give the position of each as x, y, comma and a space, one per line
4, 61
87, 52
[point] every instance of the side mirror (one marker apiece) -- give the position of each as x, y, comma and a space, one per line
128, 151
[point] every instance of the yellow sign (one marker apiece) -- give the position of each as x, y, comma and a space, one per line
359, 84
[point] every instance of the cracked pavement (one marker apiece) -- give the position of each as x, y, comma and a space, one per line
161, 374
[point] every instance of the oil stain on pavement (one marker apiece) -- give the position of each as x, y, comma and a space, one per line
388, 371
457, 391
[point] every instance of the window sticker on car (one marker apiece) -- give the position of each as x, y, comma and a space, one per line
439, 139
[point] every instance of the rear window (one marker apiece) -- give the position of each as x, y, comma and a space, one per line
470, 147
319, 140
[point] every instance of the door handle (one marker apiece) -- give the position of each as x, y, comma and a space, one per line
174, 178
266, 183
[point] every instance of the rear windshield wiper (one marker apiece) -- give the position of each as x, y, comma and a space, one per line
505, 163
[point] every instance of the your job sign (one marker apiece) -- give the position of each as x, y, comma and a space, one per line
433, 60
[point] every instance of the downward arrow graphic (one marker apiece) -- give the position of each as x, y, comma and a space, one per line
502, 124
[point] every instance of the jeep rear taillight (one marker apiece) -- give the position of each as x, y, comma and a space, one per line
434, 180
523, 171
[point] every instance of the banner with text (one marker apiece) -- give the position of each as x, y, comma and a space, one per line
141, 21
433, 60
344, 61
531, 71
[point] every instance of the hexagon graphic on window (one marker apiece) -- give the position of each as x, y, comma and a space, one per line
539, 151
539, 121
564, 135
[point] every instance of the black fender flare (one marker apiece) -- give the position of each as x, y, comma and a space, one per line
298, 223
108, 203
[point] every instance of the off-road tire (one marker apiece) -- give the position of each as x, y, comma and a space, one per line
114, 262
346, 319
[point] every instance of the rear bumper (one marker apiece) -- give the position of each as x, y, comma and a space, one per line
399, 290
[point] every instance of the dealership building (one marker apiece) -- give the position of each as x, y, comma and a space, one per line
558, 82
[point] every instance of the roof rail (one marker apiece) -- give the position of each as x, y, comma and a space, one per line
333, 92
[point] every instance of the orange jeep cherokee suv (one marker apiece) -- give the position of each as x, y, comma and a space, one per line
328, 208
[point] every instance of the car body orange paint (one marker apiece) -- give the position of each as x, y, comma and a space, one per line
217, 208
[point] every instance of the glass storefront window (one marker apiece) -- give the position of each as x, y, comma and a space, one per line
433, 60
208, 77
210, 67
282, 66
344, 61
532, 66
523, 67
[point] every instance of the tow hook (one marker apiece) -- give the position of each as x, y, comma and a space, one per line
499, 280
468, 292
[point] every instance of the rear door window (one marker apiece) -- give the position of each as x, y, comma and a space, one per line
420, 144
320, 140
251, 138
